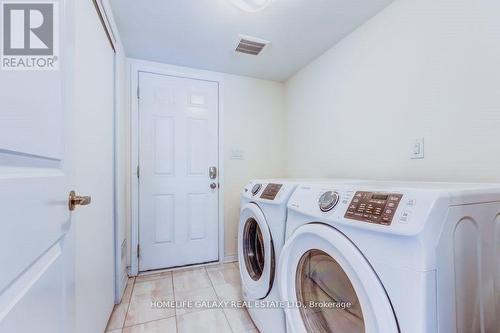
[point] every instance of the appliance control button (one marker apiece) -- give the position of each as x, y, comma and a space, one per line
411, 202
394, 198
328, 200
405, 216
256, 188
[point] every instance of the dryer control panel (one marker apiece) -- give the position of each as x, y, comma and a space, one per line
271, 191
373, 207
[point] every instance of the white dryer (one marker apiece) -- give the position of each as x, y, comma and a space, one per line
392, 257
261, 236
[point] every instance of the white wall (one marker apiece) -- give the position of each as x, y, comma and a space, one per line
426, 68
253, 122
253, 113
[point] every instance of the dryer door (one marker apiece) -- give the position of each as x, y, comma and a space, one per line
322, 270
255, 252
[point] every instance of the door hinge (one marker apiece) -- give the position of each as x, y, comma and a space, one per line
138, 251
138, 171
138, 93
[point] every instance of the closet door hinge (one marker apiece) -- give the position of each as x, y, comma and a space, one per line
138, 171
138, 251
138, 93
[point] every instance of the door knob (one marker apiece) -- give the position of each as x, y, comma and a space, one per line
213, 186
75, 200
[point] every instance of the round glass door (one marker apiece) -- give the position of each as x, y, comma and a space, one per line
337, 290
255, 252
330, 303
253, 249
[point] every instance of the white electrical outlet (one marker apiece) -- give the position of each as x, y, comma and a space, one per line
417, 149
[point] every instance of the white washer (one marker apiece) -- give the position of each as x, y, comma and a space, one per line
408, 257
261, 236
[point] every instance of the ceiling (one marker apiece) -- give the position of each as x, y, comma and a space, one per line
204, 33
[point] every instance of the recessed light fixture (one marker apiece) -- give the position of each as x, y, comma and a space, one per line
251, 5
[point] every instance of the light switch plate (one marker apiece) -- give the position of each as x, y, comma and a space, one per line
237, 154
417, 149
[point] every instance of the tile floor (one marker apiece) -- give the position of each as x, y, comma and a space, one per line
208, 283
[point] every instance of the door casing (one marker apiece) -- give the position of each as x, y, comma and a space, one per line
134, 68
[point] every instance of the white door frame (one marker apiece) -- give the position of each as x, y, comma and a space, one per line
135, 67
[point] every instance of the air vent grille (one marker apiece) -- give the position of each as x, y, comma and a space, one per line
249, 45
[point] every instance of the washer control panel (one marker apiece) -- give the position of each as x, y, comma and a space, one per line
271, 191
373, 207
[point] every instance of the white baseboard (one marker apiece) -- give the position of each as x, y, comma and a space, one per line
230, 258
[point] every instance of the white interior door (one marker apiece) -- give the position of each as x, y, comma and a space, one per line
36, 237
94, 163
178, 143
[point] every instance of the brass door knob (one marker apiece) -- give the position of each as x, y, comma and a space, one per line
75, 200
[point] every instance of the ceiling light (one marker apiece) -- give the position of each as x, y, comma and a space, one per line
251, 5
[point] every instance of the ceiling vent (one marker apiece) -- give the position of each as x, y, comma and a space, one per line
251, 45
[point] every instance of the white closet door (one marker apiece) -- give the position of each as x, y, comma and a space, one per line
94, 157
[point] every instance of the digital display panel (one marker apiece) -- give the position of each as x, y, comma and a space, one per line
373, 207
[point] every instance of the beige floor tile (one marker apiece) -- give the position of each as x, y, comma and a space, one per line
141, 310
239, 320
155, 288
213, 267
117, 317
225, 275
191, 279
128, 290
158, 326
189, 269
205, 294
114, 331
207, 321
156, 276
228, 292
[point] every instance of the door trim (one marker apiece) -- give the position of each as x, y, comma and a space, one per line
134, 68
105, 22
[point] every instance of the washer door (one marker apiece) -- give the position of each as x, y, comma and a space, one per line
255, 252
322, 270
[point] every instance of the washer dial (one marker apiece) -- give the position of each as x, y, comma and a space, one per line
328, 200
256, 188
